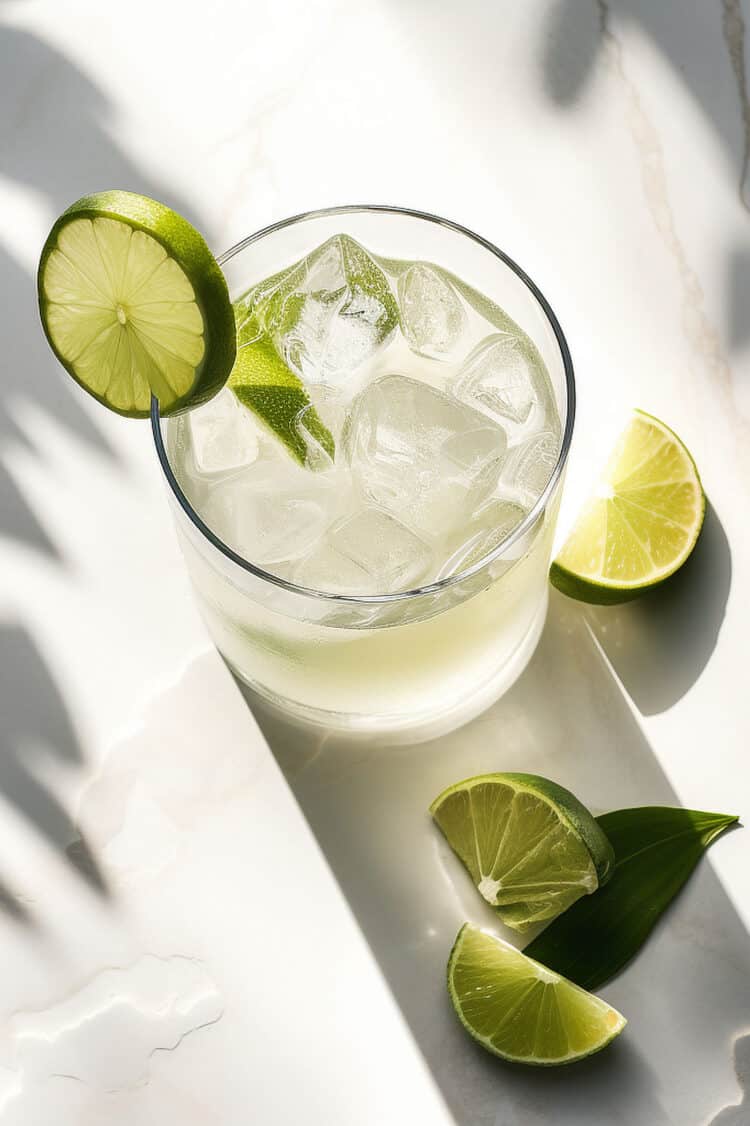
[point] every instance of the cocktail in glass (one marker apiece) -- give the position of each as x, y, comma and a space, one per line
383, 569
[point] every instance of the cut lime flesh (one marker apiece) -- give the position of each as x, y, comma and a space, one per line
133, 303
642, 522
519, 1010
530, 846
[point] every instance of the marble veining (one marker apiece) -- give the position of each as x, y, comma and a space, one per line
144, 804
702, 336
738, 1113
105, 1033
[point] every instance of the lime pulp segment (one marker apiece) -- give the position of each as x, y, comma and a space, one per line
519, 1010
133, 302
531, 848
642, 522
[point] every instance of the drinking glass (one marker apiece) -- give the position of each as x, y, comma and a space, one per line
408, 665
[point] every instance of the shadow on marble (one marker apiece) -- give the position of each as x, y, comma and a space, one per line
704, 46
57, 142
739, 288
738, 1113
36, 727
693, 39
686, 35
566, 718
659, 645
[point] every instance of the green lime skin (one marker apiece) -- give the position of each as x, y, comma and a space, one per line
610, 593
188, 248
570, 809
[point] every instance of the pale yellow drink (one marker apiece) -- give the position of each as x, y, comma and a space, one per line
400, 586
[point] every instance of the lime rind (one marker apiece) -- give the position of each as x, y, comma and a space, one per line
531, 848
266, 377
265, 385
578, 817
642, 524
104, 256
521, 1011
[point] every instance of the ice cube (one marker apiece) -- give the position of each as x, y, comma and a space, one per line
530, 465
330, 313
327, 571
273, 512
366, 552
223, 436
502, 377
482, 534
422, 455
432, 316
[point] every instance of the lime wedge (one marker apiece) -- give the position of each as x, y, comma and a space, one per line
518, 1009
529, 845
133, 302
641, 523
284, 335
262, 382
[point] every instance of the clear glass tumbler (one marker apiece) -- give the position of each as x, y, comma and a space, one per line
413, 664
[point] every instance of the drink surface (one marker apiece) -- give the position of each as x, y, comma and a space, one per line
444, 427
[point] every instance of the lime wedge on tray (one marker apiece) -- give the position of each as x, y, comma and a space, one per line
133, 302
642, 522
518, 1009
530, 846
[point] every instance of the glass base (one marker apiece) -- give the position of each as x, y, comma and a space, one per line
397, 729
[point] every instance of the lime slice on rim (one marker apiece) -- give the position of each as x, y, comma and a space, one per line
642, 522
530, 846
133, 302
518, 1009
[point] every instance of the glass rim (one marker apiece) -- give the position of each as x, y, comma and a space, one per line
515, 534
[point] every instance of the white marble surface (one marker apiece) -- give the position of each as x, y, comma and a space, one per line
201, 958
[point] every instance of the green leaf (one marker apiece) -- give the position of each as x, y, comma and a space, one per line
656, 849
